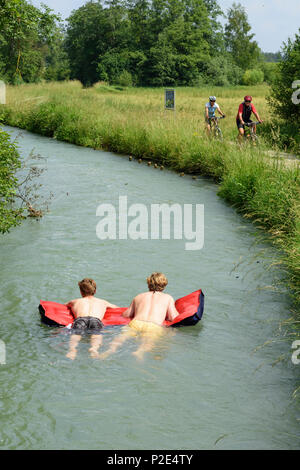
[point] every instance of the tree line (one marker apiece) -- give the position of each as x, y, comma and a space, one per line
131, 42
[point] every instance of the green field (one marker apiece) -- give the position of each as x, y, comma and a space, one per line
129, 120
133, 121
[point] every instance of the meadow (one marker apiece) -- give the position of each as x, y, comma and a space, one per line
127, 119
133, 121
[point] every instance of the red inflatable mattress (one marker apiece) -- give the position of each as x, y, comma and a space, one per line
189, 307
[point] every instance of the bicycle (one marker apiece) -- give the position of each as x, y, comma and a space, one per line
215, 129
252, 134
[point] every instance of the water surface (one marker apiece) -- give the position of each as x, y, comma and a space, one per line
203, 384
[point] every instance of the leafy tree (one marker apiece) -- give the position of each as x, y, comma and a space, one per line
57, 66
182, 48
25, 38
270, 71
238, 39
85, 41
282, 89
117, 25
216, 39
139, 16
221, 71
157, 43
93, 34
111, 66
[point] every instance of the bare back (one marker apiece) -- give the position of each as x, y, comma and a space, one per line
155, 307
89, 306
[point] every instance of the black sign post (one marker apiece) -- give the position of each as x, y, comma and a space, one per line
170, 99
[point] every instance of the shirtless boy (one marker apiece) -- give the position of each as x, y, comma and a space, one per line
88, 312
148, 312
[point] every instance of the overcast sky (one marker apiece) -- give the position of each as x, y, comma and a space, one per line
272, 21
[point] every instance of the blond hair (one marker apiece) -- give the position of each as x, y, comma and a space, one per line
157, 282
87, 287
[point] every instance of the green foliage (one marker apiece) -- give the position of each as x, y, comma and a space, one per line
239, 42
163, 42
221, 71
27, 39
124, 79
270, 71
288, 72
96, 39
266, 192
282, 134
9, 164
253, 77
57, 65
216, 40
157, 43
284, 99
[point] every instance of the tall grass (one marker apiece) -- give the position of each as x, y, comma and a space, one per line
133, 121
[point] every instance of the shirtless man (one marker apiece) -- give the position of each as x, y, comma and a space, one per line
88, 312
148, 312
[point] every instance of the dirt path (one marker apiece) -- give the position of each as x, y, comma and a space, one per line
290, 159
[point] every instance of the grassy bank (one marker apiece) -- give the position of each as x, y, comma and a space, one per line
133, 121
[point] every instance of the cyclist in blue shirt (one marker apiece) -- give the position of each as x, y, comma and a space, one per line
210, 112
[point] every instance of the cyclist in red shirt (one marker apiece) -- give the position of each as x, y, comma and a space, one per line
244, 113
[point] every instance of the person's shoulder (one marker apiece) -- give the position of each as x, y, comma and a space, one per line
207, 105
72, 303
140, 295
168, 296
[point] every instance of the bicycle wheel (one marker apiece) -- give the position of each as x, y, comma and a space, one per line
255, 140
218, 134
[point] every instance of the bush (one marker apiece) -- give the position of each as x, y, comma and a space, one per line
221, 71
111, 66
9, 164
270, 71
282, 89
253, 77
124, 79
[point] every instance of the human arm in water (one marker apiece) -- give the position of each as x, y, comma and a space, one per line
70, 305
172, 312
130, 311
109, 305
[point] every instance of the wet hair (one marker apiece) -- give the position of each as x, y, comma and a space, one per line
157, 282
87, 287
